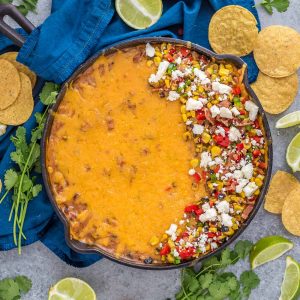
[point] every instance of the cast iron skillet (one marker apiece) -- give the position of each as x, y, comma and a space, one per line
84, 248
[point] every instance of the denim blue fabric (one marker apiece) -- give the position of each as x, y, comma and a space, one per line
75, 30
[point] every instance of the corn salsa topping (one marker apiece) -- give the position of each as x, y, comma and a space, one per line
230, 158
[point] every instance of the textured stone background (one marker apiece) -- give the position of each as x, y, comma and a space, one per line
115, 282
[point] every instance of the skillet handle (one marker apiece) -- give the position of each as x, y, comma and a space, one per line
11, 11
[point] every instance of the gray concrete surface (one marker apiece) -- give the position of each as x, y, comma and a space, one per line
115, 282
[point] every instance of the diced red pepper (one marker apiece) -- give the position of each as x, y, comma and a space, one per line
222, 140
256, 153
187, 253
236, 91
197, 177
184, 51
169, 57
165, 250
257, 139
240, 147
172, 51
191, 208
199, 211
200, 115
211, 234
242, 112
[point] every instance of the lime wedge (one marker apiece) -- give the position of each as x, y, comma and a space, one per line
289, 120
139, 14
293, 153
71, 289
269, 248
291, 280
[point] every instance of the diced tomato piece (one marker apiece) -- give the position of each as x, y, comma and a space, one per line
172, 51
256, 153
200, 115
197, 177
236, 91
211, 234
199, 211
240, 147
165, 250
191, 208
257, 139
184, 51
217, 168
242, 112
187, 253
169, 57
256, 123
263, 165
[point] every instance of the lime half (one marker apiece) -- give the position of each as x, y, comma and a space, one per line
293, 153
289, 120
291, 280
269, 248
139, 14
71, 289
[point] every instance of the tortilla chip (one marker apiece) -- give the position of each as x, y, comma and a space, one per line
233, 30
277, 51
282, 184
9, 83
20, 111
276, 94
291, 212
12, 57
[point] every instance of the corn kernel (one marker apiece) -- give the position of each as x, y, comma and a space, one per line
223, 72
182, 100
213, 77
149, 63
209, 70
215, 151
157, 60
194, 162
207, 247
212, 229
201, 89
158, 53
154, 241
229, 67
209, 105
171, 243
170, 258
164, 237
243, 194
167, 82
257, 192
258, 182
183, 109
237, 207
247, 146
210, 185
205, 137
235, 226
229, 232
187, 135
184, 117
193, 114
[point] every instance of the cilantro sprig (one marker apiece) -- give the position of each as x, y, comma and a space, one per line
25, 6
21, 179
12, 288
279, 5
211, 282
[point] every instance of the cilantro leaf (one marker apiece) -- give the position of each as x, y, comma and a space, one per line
243, 248
225, 258
36, 190
26, 6
205, 280
9, 289
249, 281
219, 290
279, 5
10, 179
49, 93
24, 283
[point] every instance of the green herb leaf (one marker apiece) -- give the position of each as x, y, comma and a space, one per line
24, 283
243, 248
36, 190
219, 290
205, 280
225, 258
9, 289
10, 179
26, 6
49, 93
249, 281
279, 5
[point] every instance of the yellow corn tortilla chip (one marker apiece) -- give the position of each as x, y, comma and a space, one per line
233, 30
12, 57
276, 94
277, 51
291, 212
20, 111
9, 83
282, 184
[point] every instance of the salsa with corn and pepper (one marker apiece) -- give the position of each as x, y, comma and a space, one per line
230, 157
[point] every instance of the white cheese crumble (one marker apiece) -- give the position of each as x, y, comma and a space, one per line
241, 183
178, 60
223, 207
250, 189
200, 74
237, 174
247, 170
198, 129
192, 172
193, 104
209, 215
205, 159
226, 220
162, 68
235, 111
177, 74
221, 88
214, 111
220, 130
171, 230
2, 129
173, 96
225, 113
150, 51
252, 109
234, 134
205, 207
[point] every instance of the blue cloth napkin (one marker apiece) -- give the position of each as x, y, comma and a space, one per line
75, 30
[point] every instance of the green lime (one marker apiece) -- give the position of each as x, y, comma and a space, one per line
289, 120
291, 281
269, 248
139, 14
71, 289
293, 153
